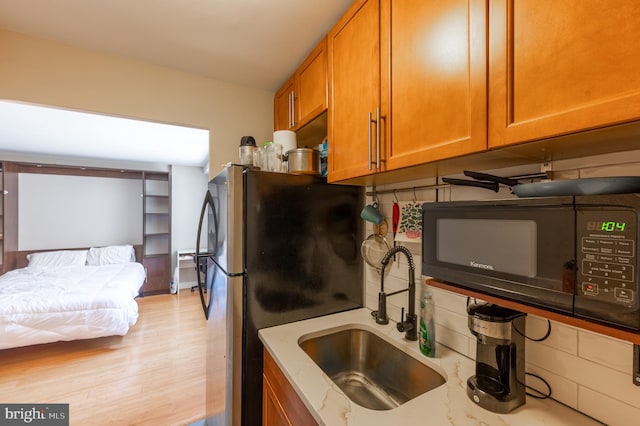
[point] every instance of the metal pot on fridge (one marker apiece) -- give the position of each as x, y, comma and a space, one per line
304, 161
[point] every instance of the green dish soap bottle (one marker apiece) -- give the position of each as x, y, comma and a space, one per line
427, 332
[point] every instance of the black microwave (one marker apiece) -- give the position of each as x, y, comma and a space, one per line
576, 255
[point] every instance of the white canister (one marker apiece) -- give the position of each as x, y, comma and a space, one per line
286, 138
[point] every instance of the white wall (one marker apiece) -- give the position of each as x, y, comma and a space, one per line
188, 188
49, 73
587, 371
57, 211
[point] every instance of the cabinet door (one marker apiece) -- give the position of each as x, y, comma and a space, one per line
281, 405
354, 84
158, 270
561, 66
272, 412
283, 112
434, 89
311, 81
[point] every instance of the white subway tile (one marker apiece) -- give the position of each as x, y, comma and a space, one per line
608, 410
448, 300
454, 340
562, 389
563, 337
606, 351
614, 383
371, 300
453, 320
628, 169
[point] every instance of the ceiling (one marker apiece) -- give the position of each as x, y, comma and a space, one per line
254, 43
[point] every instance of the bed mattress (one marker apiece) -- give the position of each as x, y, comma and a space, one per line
40, 305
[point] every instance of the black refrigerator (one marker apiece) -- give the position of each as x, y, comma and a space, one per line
280, 248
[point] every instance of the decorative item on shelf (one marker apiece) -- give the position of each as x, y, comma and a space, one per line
410, 226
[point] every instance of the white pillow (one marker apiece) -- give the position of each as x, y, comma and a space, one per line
110, 255
58, 259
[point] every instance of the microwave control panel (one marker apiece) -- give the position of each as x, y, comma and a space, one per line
607, 254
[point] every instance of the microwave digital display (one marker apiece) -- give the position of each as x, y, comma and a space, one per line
606, 226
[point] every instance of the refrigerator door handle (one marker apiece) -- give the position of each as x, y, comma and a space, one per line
224, 271
208, 201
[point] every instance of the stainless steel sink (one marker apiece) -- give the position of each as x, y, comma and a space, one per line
370, 371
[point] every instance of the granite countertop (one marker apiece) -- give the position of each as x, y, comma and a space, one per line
445, 405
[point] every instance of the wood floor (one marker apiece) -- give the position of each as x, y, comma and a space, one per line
155, 375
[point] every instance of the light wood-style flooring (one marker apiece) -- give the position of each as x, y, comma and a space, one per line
155, 375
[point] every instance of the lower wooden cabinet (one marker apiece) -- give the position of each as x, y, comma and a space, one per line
158, 269
281, 405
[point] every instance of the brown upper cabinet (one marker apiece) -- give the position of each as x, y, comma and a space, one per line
304, 96
415, 81
407, 84
354, 92
283, 103
562, 66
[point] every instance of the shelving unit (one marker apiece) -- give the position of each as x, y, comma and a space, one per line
8, 215
156, 237
2, 216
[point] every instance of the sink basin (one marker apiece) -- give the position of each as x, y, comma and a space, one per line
369, 370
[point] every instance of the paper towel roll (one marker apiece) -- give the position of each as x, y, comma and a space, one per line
286, 138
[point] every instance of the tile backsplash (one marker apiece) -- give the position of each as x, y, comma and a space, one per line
587, 371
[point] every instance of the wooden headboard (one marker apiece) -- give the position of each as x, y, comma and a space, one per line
18, 259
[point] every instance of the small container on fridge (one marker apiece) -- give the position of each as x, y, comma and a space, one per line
274, 157
246, 150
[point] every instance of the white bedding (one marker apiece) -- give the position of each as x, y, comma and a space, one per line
41, 305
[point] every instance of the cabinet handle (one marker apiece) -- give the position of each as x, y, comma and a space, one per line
290, 101
377, 123
369, 160
378, 138
293, 109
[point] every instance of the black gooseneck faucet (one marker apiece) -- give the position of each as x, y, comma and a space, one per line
408, 324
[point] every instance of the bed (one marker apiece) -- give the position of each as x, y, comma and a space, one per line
70, 295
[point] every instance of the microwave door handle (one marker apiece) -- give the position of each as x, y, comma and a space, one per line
492, 186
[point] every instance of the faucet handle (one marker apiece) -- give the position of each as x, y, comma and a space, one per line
381, 314
400, 325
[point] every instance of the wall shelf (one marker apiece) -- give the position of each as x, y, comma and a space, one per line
156, 232
626, 335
